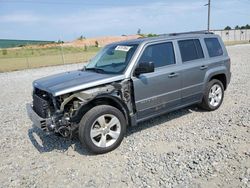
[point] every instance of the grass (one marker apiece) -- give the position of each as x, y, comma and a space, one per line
23, 58
230, 43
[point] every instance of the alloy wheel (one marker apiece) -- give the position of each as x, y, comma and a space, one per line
105, 130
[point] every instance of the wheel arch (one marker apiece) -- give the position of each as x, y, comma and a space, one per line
222, 77
216, 73
104, 100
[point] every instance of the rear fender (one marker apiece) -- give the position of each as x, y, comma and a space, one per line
213, 72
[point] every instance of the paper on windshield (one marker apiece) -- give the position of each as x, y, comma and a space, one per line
123, 48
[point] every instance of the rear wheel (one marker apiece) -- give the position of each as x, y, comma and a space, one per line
213, 96
102, 129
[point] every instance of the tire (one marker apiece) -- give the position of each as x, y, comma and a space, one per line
211, 99
98, 133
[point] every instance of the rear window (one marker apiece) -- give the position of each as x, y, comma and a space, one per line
190, 49
213, 47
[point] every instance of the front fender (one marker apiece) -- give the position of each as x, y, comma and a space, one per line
117, 102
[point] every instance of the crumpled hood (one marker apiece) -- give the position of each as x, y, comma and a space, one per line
67, 82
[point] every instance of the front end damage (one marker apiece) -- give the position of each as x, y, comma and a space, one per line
61, 114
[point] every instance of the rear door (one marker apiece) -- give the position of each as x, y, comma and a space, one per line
158, 91
194, 69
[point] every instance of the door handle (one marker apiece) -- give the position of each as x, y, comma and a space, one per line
173, 74
203, 67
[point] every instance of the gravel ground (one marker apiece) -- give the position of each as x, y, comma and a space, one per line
185, 148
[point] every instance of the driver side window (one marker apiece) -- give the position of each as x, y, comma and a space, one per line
160, 54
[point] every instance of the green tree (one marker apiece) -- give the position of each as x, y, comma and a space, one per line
247, 26
81, 37
139, 31
96, 43
236, 27
152, 35
60, 41
228, 28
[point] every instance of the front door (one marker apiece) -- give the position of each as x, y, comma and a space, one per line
159, 91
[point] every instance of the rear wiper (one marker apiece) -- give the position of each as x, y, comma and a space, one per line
99, 70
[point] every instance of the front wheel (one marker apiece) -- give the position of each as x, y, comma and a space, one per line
102, 129
213, 96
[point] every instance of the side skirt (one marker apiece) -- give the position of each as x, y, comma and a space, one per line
164, 111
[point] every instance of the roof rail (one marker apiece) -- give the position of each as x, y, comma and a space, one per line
190, 32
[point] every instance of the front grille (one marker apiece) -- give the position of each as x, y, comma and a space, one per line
40, 106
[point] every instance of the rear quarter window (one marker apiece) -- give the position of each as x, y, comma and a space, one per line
213, 46
190, 49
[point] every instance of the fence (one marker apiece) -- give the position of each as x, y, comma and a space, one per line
234, 34
29, 57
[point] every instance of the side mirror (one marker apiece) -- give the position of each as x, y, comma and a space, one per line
145, 67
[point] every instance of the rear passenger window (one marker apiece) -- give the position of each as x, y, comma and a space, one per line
213, 47
190, 50
160, 54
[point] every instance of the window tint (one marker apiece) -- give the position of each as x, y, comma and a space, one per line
213, 47
190, 49
160, 54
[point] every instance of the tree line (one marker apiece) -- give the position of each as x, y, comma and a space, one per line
247, 26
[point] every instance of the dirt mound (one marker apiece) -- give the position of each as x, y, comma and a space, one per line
102, 41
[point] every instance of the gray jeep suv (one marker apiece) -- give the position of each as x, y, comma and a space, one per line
129, 82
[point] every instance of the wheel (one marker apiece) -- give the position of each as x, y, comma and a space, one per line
213, 96
102, 129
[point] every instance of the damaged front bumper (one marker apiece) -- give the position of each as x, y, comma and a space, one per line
39, 122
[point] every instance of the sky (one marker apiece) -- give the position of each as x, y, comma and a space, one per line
69, 19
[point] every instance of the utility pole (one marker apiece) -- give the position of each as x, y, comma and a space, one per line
208, 15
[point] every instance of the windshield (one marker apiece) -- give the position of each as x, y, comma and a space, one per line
112, 59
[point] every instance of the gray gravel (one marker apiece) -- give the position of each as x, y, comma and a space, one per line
185, 148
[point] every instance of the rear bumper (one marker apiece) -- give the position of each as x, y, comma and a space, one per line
39, 122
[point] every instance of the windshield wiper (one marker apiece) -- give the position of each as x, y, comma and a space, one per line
95, 69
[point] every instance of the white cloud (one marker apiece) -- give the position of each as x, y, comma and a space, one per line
19, 18
148, 16
115, 13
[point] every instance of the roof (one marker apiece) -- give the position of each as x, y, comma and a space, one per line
197, 34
